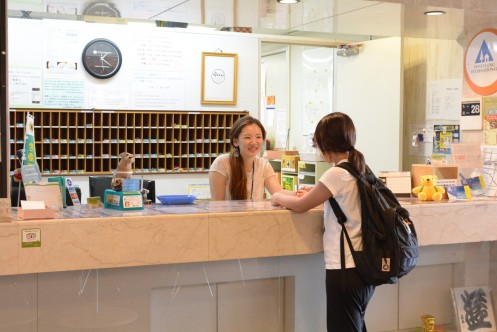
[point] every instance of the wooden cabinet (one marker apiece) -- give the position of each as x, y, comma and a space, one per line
88, 142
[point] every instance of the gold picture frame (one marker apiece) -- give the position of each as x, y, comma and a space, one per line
219, 78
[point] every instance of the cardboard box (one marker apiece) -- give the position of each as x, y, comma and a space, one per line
290, 163
398, 182
443, 172
278, 154
36, 213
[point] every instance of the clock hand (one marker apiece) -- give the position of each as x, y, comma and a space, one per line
103, 60
102, 57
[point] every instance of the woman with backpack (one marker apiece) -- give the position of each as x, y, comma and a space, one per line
347, 295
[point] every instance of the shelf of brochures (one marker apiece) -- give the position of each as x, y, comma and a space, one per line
309, 172
88, 142
306, 174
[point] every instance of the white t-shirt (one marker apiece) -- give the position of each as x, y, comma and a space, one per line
262, 171
343, 187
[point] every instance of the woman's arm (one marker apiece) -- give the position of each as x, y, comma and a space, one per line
317, 195
272, 184
217, 184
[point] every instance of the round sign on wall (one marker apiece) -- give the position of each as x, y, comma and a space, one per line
480, 62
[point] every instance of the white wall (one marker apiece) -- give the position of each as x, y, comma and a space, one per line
368, 89
150, 54
277, 74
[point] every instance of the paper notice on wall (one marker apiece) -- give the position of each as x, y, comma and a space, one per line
443, 99
200, 191
467, 155
489, 109
282, 129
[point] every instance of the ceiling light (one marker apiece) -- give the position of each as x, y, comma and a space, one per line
288, 2
434, 12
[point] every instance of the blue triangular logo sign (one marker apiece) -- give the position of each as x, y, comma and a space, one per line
484, 54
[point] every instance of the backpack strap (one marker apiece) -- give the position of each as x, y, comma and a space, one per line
341, 218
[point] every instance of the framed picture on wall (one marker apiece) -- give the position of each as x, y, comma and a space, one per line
219, 78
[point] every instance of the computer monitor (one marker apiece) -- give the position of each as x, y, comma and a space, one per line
150, 186
98, 185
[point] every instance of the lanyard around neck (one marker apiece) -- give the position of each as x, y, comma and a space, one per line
253, 171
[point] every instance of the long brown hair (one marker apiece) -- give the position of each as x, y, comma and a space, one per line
238, 181
335, 132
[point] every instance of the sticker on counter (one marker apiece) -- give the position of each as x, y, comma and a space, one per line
133, 201
31, 238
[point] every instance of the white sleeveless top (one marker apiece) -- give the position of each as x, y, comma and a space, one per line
262, 171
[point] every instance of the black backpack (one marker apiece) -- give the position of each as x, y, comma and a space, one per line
390, 243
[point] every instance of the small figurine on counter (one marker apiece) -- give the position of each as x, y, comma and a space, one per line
123, 170
428, 190
17, 176
144, 193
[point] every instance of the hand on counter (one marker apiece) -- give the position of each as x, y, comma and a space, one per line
302, 191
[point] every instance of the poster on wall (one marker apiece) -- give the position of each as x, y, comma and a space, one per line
479, 62
443, 138
282, 130
158, 75
317, 82
443, 98
63, 76
25, 67
489, 105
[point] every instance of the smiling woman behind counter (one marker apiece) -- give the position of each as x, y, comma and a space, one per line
242, 174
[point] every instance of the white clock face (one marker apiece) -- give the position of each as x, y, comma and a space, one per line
102, 58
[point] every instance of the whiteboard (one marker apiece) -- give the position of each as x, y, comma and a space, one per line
161, 67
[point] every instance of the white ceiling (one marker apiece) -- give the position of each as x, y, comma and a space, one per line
351, 19
387, 18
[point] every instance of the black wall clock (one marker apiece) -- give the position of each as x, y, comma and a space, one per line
102, 58
101, 9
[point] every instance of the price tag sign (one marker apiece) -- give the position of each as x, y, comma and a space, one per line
471, 115
31, 238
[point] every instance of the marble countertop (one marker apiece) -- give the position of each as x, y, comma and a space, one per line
82, 238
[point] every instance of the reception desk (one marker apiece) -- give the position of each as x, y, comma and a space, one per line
222, 266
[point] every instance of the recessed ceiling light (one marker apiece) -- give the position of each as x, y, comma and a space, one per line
287, 2
434, 12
